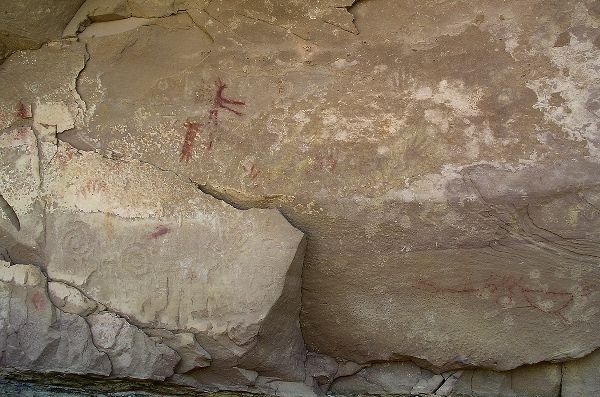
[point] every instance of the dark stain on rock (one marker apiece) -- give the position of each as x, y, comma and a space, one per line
252, 171
563, 39
556, 99
221, 102
10, 213
192, 127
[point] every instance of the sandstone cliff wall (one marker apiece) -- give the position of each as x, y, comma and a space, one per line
299, 198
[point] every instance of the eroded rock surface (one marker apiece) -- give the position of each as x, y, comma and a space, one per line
132, 353
185, 344
392, 378
149, 245
38, 99
145, 244
581, 377
34, 335
27, 24
441, 157
543, 380
70, 299
446, 174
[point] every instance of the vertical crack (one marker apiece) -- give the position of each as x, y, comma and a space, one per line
560, 385
86, 58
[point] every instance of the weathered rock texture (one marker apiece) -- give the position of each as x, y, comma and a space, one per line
582, 377
129, 247
27, 24
131, 352
442, 158
35, 335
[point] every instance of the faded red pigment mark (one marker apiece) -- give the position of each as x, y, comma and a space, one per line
21, 136
66, 155
22, 110
191, 275
252, 171
93, 187
510, 291
37, 300
327, 160
192, 128
159, 230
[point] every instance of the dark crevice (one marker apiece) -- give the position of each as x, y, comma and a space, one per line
236, 199
201, 28
442, 384
352, 11
355, 31
5, 256
40, 153
78, 78
240, 200
471, 382
10, 213
560, 386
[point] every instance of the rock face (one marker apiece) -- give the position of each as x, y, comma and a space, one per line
149, 245
393, 378
29, 23
449, 193
132, 353
581, 378
34, 335
70, 299
542, 380
143, 244
441, 157
191, 354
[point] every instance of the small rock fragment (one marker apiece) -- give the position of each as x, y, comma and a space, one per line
321, 367
394, 378
280, 388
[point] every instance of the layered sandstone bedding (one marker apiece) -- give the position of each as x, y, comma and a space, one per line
303, 197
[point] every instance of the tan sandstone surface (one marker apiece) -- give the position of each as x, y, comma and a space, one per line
406, 190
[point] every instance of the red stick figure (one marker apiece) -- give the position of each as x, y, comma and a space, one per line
191, 130
192, 127
220, 102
